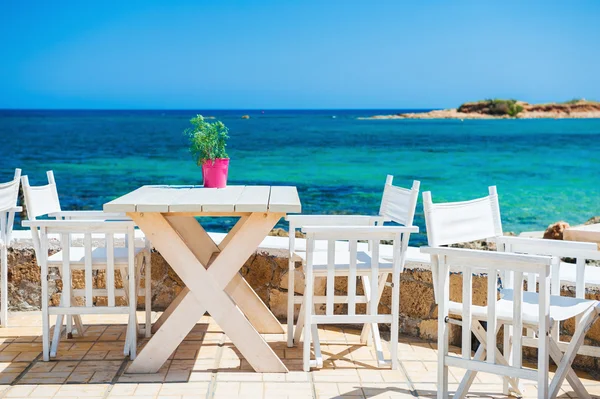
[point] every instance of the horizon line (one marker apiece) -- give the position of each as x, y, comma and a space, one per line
216, 109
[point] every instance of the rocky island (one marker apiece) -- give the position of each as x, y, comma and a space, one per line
507, 109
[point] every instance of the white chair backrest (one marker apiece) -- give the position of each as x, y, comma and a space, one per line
41, 200
465, 221
398, 204
492, 263
355, 259
66, 229
9, 192
580, 251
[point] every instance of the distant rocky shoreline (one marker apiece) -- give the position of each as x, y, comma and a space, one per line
508, 109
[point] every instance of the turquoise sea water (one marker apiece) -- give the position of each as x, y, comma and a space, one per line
545, 170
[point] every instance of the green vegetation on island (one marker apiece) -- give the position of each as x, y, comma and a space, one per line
506, 109
494, 106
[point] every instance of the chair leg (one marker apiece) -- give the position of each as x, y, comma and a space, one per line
148, 296
133, 336
572, 378
564, 366
469, 376
56, 336
507, 349
395, 322
138, 285
373, 328
4, 299
442, 367
442, 378
306, 350
127, 339
74, 320
317, 345
79, 325
69, 326
299, 324
45, 332
57, 331
290, 305
382, 280
128, 331
308, 310
45, 303
376, 340
480, 354
364, 335
133, 322
481, 335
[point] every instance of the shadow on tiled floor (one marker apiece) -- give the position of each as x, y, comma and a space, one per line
207, 365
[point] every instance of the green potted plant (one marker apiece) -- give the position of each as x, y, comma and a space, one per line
207, 146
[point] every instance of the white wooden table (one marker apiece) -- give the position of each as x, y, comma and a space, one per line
166, 215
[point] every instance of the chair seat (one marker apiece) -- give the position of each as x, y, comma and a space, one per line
342, 263
561, 307
568, 274
413, 254
77, 257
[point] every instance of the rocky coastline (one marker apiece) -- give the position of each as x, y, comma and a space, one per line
507, 109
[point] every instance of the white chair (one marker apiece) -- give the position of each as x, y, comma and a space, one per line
352, 263
8, 207
145, 269
397, 205
456, 222
129, 260
576, 274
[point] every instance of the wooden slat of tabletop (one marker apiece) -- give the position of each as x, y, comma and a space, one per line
207, 200
281, 199
284, 199
159, 200
253, 199
146, 198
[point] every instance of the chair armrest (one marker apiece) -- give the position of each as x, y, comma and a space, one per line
80, 226
333, 220
12, 210
493, 260
89, 215
358, 232
538, 246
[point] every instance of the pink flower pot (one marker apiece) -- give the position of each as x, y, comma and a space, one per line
214, 173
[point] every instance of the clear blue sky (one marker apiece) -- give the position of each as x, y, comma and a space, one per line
295, 54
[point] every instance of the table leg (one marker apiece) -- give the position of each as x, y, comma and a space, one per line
172, 306
253, 307
207, 288
240, 291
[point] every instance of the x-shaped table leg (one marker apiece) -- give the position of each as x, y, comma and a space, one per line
176, 238
238, 289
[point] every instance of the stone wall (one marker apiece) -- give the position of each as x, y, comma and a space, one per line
266, 271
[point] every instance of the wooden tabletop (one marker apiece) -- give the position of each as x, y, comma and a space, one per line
280, 199
587, 233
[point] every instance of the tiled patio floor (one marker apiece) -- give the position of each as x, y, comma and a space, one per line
207, 366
